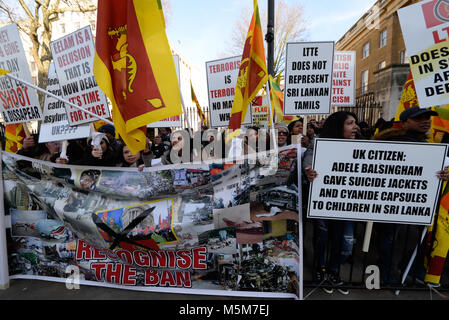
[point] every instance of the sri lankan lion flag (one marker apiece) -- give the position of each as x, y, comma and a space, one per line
134, 67
252, 73
197, 104
14, 135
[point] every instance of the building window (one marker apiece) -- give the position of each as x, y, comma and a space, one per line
365, 50
382, 65
404, 57
364, 84
383, 38
93, 25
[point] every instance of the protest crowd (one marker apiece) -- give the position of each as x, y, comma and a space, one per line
333, 239
215, 209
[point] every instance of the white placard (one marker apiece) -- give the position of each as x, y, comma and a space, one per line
343, 79
175, 121
73, 55
425, 28
259, 112
19, 103
376, 181
221, 80
55, 126
308, 78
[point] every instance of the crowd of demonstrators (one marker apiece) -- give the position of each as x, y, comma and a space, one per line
338, 234
333, 236
47, 151
108, 152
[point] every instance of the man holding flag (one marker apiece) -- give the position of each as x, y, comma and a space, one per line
134, 67
413, 123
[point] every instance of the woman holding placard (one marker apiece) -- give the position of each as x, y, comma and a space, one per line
339, 125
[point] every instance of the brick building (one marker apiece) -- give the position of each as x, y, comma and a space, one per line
382, 62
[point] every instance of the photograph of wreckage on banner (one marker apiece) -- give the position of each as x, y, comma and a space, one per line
216, 227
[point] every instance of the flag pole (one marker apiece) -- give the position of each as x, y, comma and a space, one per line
186, 115
54, 96
367, 238
271, 118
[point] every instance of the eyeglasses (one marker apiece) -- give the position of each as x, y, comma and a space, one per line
282, 133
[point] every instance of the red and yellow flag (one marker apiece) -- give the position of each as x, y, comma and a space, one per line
14, 135
277, 102
252, 73
440, 123
440, 246
134, 67
408, 99
197, 104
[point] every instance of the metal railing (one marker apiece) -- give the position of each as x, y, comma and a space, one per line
354, 272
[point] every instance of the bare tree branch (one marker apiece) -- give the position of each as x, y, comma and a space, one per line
289, 26
35, 18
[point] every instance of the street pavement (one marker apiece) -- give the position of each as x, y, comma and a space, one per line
24, 289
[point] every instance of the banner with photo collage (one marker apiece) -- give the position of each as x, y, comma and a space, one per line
221, 228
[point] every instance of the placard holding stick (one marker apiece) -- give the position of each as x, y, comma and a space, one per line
6, 73
392, 182
367, 238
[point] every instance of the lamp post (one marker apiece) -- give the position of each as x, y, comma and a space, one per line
269, 37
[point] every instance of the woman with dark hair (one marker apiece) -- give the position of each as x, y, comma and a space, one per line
103, 156
128, 159
178, 148
339, 125
296, 128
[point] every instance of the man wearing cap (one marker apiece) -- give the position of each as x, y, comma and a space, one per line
415, 123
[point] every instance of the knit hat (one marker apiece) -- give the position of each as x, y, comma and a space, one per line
107, 128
